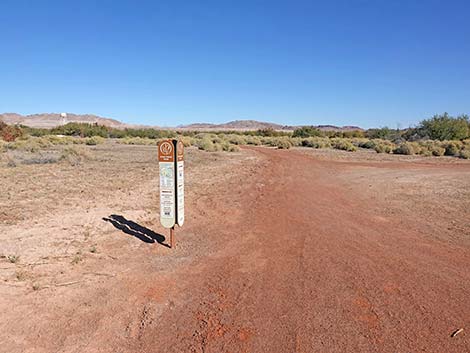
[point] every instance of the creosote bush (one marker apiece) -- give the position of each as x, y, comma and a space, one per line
343, 144
465, 153
405, 148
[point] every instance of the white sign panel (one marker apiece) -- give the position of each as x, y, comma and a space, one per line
180, 182
166, 159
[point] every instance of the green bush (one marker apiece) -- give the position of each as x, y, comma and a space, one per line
306, 131
384, 133
445, 127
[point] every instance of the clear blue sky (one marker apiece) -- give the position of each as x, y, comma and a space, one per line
367, 63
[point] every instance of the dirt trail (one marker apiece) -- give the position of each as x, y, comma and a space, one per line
284, 255
311, 269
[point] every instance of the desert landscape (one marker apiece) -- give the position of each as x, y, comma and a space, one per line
298, 250
234, 176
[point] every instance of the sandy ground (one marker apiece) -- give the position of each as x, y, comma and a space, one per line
282, 251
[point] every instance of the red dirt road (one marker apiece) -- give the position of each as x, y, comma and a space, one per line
282, 251
311, 268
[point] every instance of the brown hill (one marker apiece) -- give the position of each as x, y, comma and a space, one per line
49, 120
256, 125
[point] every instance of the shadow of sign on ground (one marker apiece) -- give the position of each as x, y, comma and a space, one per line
136, 230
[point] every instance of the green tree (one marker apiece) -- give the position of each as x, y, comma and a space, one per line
306, 131
445, 127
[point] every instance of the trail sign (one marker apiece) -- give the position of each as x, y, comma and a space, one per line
166, 161
179, 183
171, 167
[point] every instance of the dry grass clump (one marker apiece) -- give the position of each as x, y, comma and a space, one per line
144, 141
452, 148
29, 144
383, 146
253, 140
187, 141
95, 140
406, 148
316, 142
279, 142
236, 139
465, 153
343, 144
75, 155
3, 146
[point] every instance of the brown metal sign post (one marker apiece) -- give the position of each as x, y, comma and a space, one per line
171, 167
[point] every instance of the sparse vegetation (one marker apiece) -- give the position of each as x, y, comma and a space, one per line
438, 136
74, 155
77, 258
13, 258
343, 144
405, 148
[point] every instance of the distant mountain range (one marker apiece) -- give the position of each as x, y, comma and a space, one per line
49, 120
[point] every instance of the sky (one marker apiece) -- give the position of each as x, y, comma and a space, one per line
367, 63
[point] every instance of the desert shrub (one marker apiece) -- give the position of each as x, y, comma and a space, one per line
306, 131
343, 144
431, 148
236, 139
384, 133
32, 144
137, 141
269, 132
63, 140
253, 140
226, 146
383, 146
295, 141
464, 153
206, 144
187, 141
95, 140
74, 155
3, 146
10, 133
445, 127
283, 143
452, 148
406, 148
365, 143
280, 142
316, 142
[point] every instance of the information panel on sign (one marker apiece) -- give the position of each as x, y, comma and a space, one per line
180, 182
166, 159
